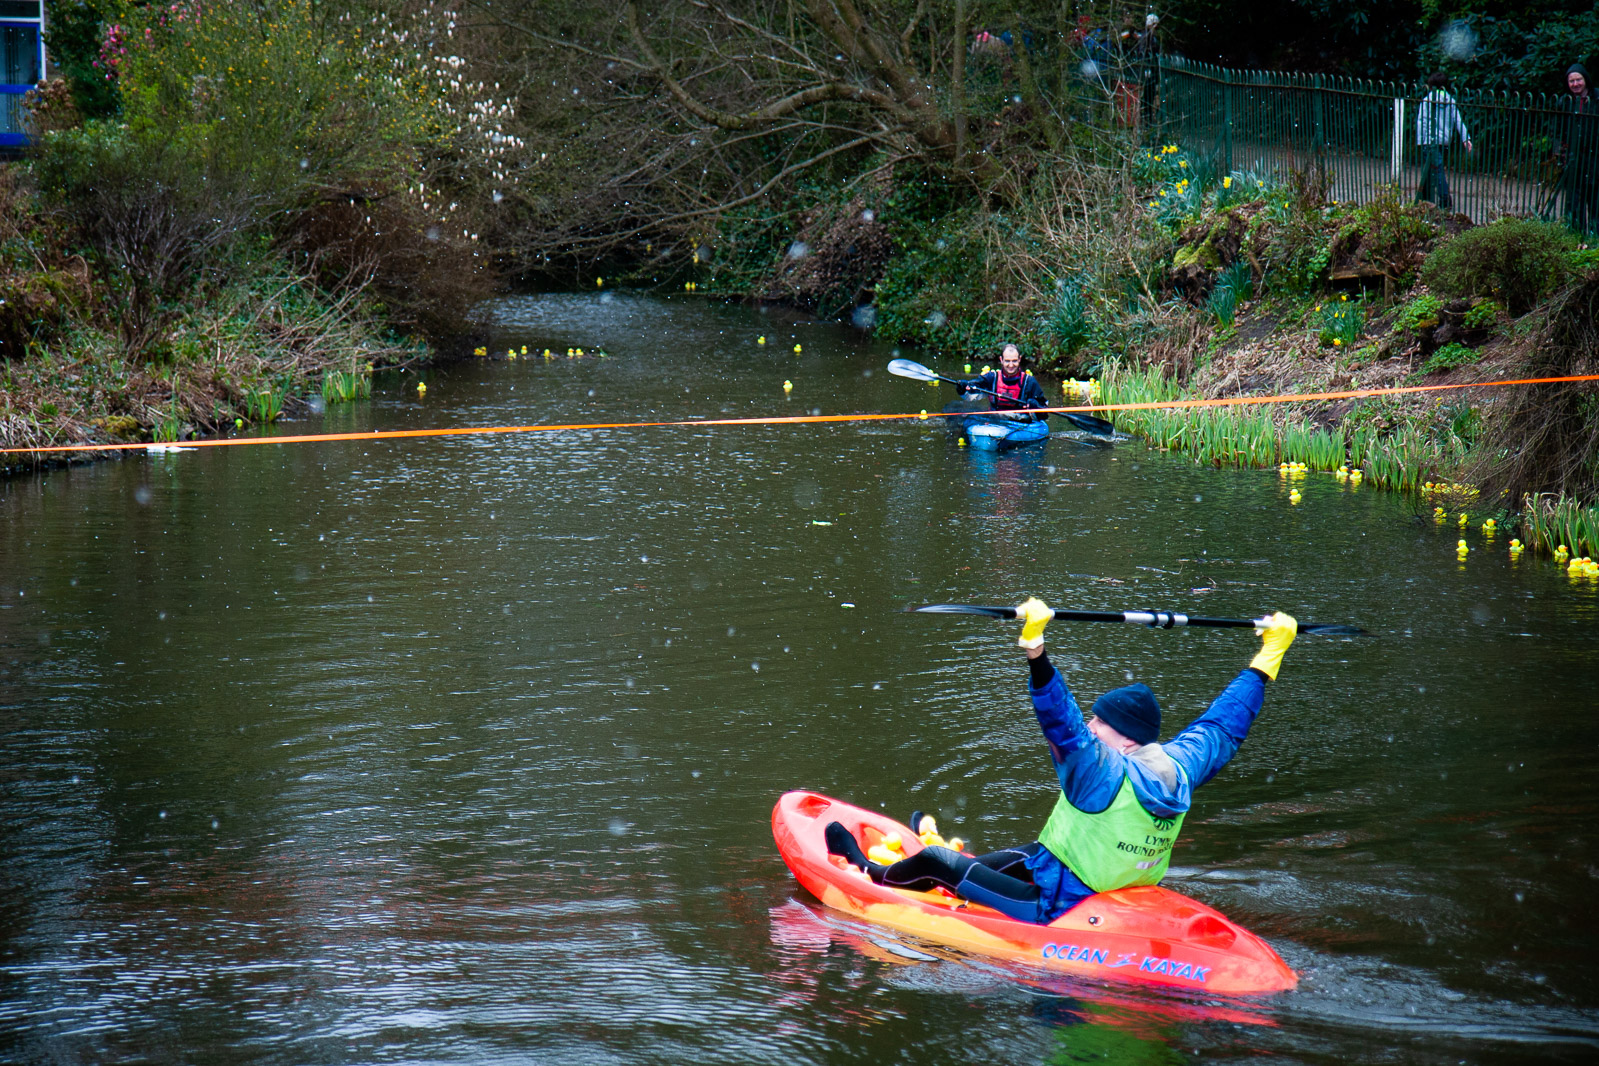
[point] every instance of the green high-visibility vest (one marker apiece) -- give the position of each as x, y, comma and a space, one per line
1121, 846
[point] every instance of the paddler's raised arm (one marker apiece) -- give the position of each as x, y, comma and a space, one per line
1089, 772
1210, 741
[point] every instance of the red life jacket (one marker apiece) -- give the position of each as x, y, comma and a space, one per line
1009, 396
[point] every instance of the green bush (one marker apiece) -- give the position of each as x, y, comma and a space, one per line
1484, 314
1450, 356
943, 292
1516, 261
1068, 323
1418, 314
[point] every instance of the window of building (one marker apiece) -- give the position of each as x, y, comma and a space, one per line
21, 62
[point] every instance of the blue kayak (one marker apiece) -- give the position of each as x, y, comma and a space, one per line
991, 432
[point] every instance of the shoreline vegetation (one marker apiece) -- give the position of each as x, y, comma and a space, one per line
233, 211
231, 207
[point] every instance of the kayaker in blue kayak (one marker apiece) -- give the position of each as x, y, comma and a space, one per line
1122, 795
1014, 389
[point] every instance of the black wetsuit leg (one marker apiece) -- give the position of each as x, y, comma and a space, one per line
989, 879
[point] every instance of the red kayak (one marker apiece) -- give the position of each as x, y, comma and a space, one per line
1149, 935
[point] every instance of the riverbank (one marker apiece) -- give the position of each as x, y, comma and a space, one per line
255, 337
1167, 280
214, 224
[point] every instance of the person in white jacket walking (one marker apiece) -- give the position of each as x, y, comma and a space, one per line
1437, 121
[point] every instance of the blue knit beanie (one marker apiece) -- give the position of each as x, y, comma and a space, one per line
1131, 711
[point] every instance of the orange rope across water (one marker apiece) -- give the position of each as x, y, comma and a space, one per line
781, 420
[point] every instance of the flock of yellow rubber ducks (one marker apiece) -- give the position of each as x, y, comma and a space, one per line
513, 353
1582, 566
891, 848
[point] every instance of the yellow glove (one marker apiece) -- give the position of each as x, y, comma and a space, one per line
1036, 614
1275, 638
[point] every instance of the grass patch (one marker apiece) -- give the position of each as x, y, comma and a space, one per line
1450, 356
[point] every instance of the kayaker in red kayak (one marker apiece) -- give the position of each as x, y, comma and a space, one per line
1014, 388
1123, 796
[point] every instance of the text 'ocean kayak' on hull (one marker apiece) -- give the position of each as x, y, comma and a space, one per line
1149, 935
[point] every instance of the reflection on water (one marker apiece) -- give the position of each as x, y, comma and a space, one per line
465, 748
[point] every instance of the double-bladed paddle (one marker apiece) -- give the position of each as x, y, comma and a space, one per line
1154, 619
905, 368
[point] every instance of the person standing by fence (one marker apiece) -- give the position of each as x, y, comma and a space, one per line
1437, 121
1578, 151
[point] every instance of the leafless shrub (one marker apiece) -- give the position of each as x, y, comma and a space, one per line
1545, 438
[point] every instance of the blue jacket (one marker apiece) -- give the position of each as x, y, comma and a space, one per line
1091, 774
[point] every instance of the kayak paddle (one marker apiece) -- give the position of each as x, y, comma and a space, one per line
917, 372
1153, 619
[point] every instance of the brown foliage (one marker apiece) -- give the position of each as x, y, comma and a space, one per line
846, 253
48, 107
36, 299
428, 279
1545, 438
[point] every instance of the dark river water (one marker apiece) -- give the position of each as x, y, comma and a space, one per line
464, 749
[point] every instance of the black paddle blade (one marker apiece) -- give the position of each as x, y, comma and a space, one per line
1006, 613
1334, 631
915, 371
1090, 423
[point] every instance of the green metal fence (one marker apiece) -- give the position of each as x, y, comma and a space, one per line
1529, 157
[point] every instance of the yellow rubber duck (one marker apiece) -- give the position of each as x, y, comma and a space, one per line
1439, 513
923, 413
524, 349
1463, 518
1294, 497
788, 386
928, 834
1561, 553
421, 388
796, 349
1355, 476
966, 368
888, 851
760, 340
1515, 546
547, 354
1490, 527
599, 283
1341, 473
1462, 548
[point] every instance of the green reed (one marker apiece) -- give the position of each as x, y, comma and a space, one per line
345, 386
1548, 521
264, 404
